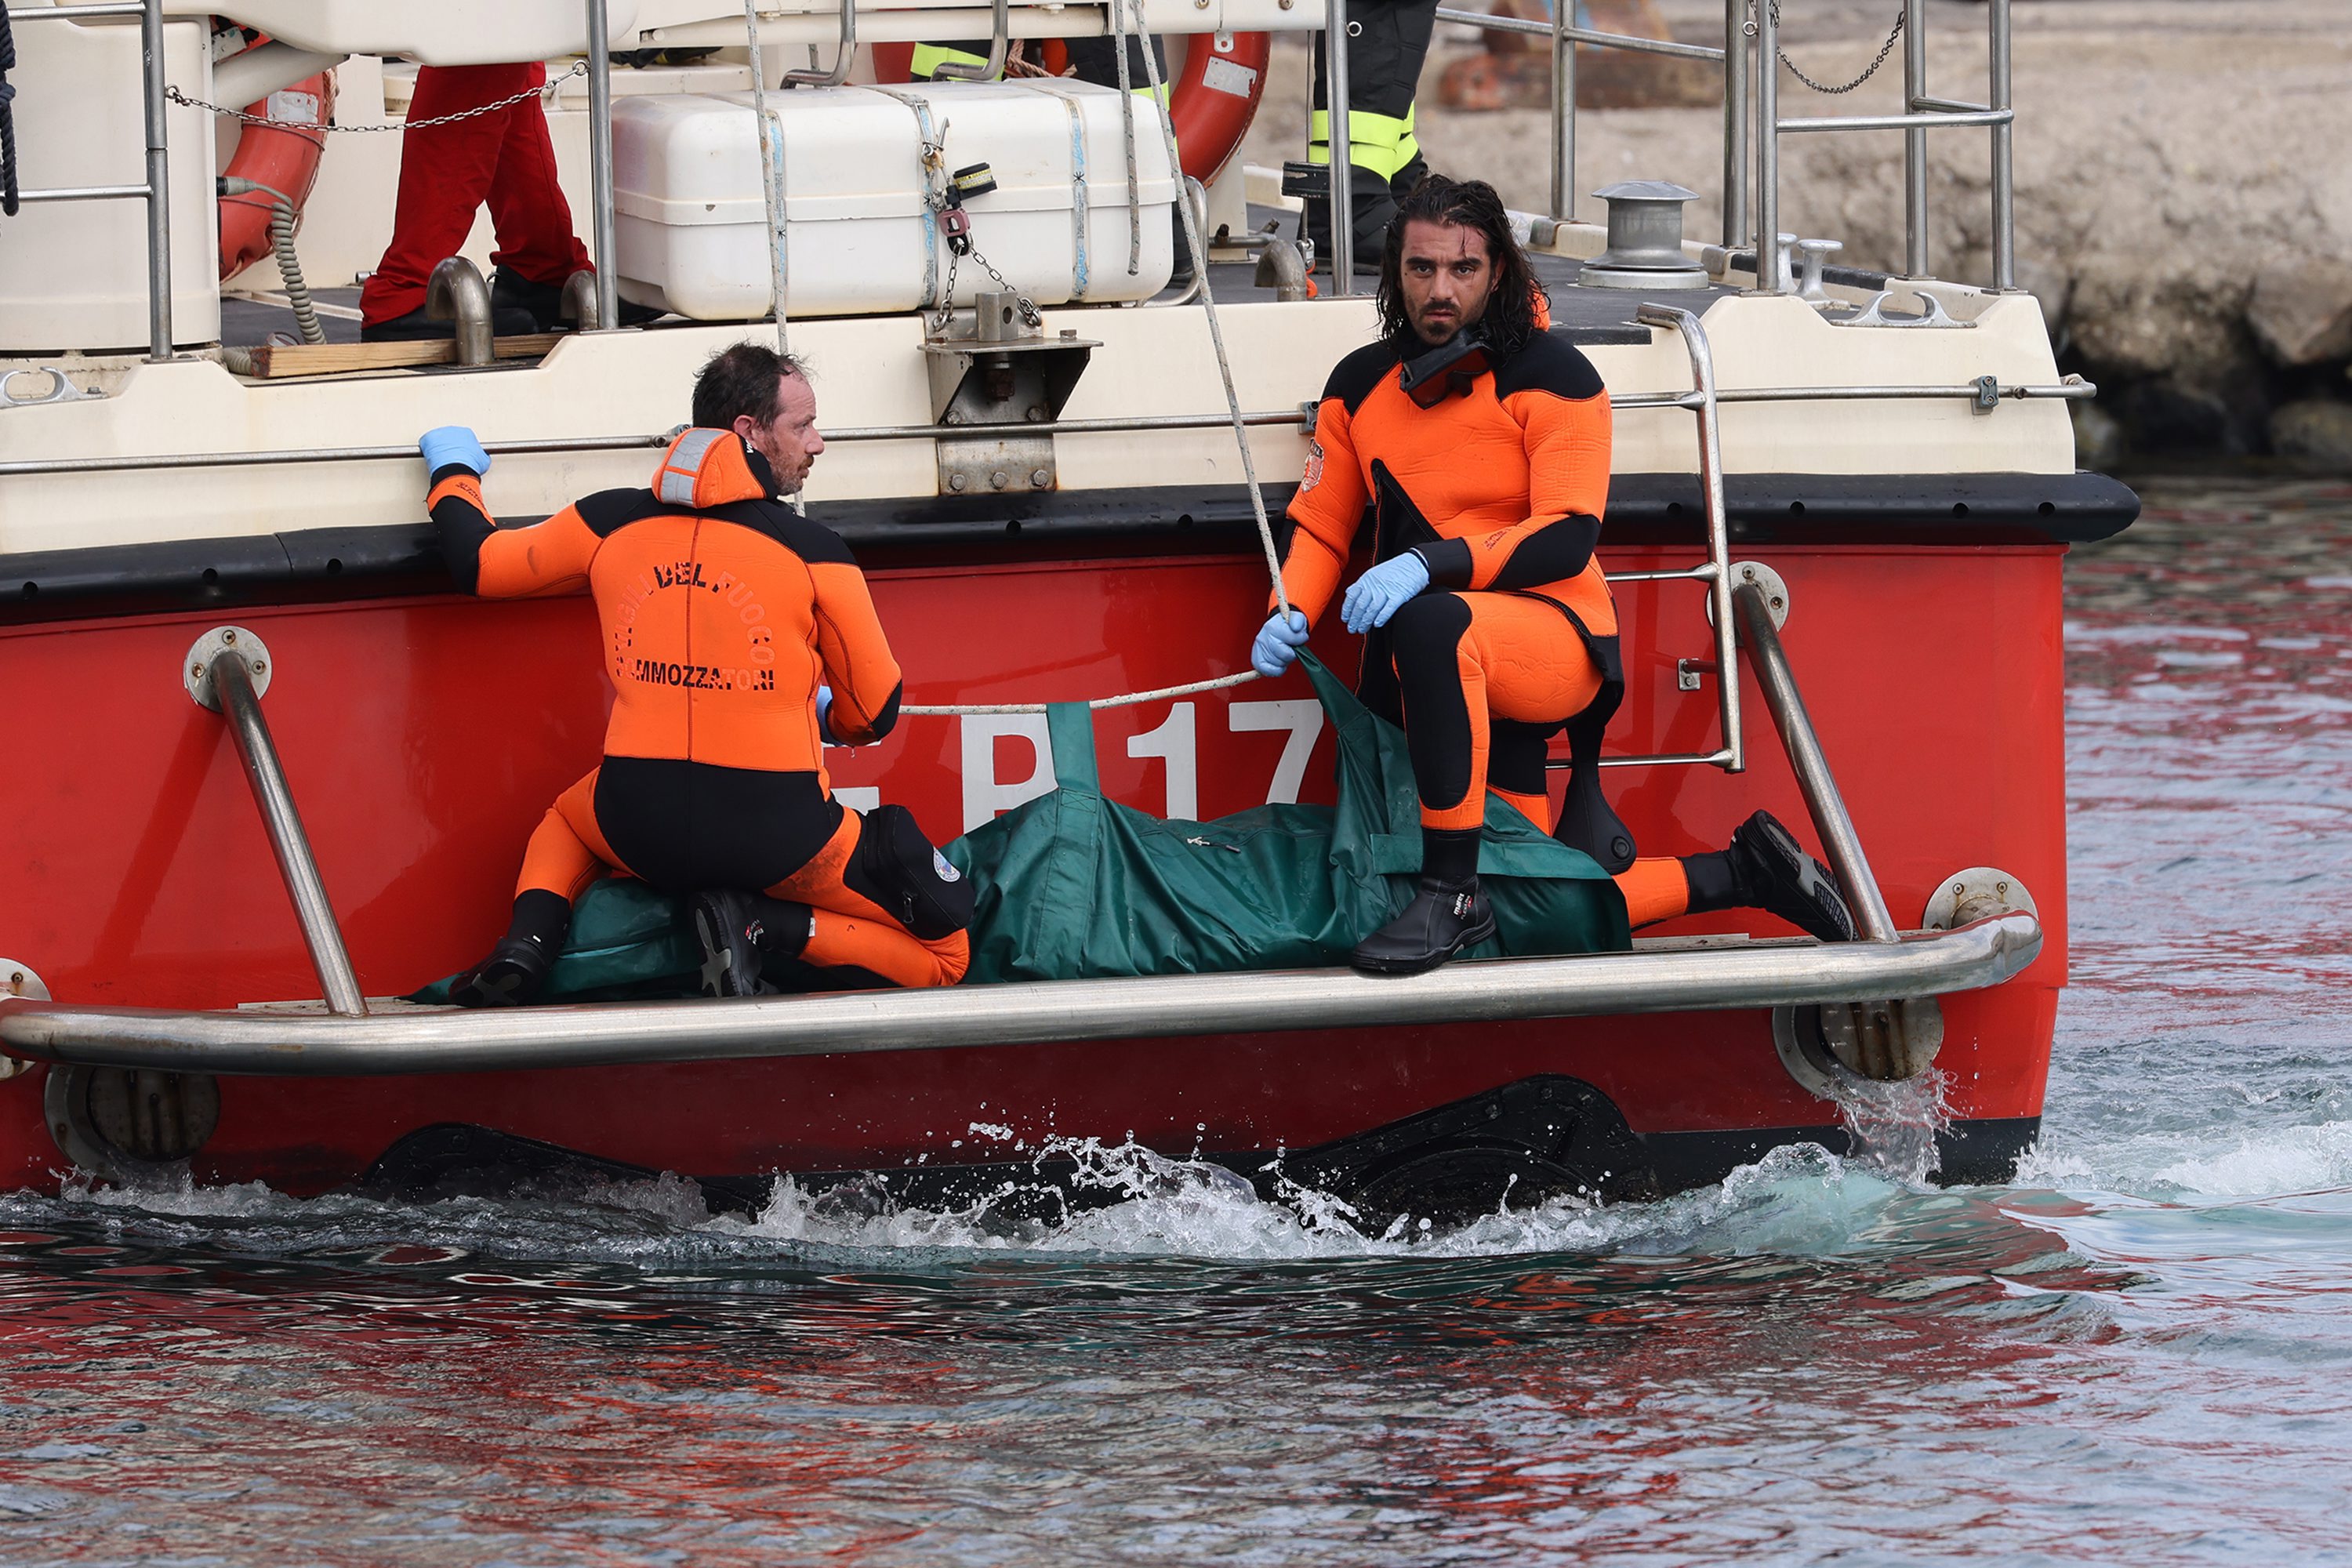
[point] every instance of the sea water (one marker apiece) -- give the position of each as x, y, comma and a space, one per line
2140, 1352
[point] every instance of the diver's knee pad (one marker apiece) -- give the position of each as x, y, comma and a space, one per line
898, 869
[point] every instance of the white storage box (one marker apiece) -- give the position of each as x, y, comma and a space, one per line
861, 238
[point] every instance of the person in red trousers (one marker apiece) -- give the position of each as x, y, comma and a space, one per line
447, 171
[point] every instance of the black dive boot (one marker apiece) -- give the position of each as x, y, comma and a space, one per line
1768, 870
516, 970
739, 932
729, 933
513, 975
1449, 913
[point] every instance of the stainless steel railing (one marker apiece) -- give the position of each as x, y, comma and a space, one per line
156, 191
1751, 119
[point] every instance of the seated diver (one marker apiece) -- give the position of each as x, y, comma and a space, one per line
1482, 443
722, 612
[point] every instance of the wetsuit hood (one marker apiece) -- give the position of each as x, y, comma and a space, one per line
705, 468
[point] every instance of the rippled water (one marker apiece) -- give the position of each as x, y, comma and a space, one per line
2142, 1352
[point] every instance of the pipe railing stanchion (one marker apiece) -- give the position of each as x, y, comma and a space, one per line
1766, 89
1342, 203
1736, 230
1563, 113
1702, 401
2004, 203
1807, 760
159, 184
1914, 139
235, 698
600, 167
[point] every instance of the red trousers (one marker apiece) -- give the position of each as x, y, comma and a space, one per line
448, 171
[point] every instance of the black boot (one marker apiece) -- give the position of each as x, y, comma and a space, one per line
1448, 914
516, 970
417, 327
543, 302
513, 975
739, 932
1766, 868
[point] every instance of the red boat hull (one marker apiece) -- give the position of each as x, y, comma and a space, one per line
425, 736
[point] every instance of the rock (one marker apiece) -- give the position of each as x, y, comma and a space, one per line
2302, 309
1516, 71
2099, 441
2314, 431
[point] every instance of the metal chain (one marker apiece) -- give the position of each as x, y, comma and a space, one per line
579, 67
1870, 70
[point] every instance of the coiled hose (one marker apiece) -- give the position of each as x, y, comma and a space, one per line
281, 241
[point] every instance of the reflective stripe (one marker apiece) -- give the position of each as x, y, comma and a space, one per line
1381, 143
683, 467
929, 57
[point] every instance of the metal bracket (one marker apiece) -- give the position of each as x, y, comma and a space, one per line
61, 390
1988, 396
1873, 314
196, 674
1966, 897
1690, 672
1003, 372
18, 980
1776, 603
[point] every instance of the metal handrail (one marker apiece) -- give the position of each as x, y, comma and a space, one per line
232, 694
1000, 40
1486, 22
156, 191
1747, 975
1811, 764
2073, 387
600, 172
1922, 113
844, 57
1337, 140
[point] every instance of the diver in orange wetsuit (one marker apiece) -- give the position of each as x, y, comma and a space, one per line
1482, 443
723, 612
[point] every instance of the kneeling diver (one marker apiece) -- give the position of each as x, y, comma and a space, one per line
722, 613
1482, 442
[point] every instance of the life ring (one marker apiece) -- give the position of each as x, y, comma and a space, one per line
284, 156
1213, 99
1216, 97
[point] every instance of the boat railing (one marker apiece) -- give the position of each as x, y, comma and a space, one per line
350, 1041
155, 190
1752, 126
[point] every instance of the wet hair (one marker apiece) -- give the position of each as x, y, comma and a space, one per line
1510, 318
740, 380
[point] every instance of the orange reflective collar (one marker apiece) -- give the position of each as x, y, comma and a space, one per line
705, 468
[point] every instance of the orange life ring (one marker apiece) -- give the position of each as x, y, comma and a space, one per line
1213, 99
285, 157
1216, 97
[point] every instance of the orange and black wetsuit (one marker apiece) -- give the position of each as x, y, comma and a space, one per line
722, 612
1501, 484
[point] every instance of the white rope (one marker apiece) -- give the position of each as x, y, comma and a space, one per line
1127, 700
1209, 308
772, 170
1127, 126
1233, 406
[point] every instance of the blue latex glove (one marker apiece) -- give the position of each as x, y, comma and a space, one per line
824, 715
1277, 644
453, 443
1379, 593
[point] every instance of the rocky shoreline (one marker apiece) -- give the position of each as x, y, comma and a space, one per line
2184, 195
